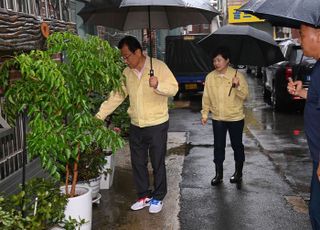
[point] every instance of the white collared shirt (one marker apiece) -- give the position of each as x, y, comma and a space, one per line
139, 73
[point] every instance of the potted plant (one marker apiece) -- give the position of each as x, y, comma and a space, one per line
57, 97
91, 167
39, 206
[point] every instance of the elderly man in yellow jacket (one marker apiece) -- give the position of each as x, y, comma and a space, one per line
224, 94
148, 110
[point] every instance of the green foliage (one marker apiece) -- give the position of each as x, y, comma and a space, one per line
9, 218
121, 119
58, 98
73, 224
92, 163
42, 202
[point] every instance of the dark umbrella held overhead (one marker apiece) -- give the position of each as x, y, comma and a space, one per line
287, 13
167, 14
134, 14
247, 45
150, 14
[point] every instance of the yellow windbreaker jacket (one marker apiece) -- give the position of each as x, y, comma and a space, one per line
148, 106
215, 97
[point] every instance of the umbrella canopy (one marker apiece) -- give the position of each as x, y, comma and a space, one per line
167, 14
288, 13
142, 14
134, 14
247, 45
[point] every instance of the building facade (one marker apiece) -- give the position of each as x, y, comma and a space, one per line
25, 23
234, 17
24, 26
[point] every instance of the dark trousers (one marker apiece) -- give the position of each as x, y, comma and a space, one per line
150, 141
235, 129
314, 206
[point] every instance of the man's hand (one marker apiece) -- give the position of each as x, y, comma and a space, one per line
204, 121
318, 171
294, 87
117, 130
153, 82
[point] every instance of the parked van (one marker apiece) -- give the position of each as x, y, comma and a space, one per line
188, 61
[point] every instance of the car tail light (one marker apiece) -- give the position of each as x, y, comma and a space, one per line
288, 73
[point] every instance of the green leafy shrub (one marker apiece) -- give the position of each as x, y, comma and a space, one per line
41, 202
58, 98
92, 163
121, 119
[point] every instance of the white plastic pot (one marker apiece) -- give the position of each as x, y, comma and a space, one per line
80, 207
107, 179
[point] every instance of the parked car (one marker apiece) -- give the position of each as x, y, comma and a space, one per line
275, 77
257, 71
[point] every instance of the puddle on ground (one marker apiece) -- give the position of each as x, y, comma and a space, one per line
180, 150
297, 203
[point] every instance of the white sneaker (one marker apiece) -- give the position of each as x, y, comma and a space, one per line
155, 206
141, 203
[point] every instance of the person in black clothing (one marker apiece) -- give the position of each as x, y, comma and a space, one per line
310, 42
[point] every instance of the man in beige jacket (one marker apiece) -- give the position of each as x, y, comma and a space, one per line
148, 110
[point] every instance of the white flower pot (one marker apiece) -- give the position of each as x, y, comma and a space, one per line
80, 207
107, 179
94, 184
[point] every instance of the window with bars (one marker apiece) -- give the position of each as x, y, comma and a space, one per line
35, 6
25, 6
73, 13
22, 6
54, 9
11, 150
65, 6
9, 4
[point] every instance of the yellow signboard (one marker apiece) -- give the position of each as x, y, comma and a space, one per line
240, 17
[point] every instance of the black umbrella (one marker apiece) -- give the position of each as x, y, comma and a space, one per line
288, 13
141, 14
135, 14
247, 45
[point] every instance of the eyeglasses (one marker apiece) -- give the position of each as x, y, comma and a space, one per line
127, 57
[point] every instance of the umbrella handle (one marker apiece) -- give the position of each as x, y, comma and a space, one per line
233, 85
151, 73
150, 43
230, 90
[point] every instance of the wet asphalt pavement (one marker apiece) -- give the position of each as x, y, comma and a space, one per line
275, 186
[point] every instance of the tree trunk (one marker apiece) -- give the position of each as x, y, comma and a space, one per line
67, 179
75, 176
